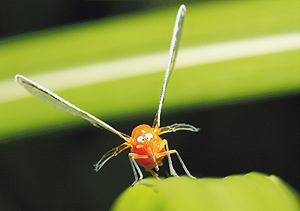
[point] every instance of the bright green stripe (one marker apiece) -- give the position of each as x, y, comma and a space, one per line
209, 84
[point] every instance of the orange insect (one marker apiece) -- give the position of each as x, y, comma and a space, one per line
147, 147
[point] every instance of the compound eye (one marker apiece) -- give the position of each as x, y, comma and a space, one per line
149, 136
140, 139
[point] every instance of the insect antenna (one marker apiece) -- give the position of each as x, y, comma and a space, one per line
175, 43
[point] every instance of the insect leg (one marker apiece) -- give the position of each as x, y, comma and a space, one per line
168, 152
153, 173
135, 168
177, 126
111, 153
172, 170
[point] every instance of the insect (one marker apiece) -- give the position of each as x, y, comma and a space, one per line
147, 147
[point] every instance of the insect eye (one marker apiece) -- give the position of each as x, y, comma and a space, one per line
149, 136
140, 139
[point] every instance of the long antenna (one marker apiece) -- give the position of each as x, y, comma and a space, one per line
175, 43
60, 103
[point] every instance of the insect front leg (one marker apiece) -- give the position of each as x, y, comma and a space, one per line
135, 167
172, 170
168, 153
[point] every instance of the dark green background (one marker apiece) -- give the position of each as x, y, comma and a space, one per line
54, 170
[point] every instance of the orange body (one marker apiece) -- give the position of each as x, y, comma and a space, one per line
146, 141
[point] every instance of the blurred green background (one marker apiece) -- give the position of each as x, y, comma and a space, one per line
248, 108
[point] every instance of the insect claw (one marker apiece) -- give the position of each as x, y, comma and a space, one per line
192, 177
137, 180
134, 183
96, 167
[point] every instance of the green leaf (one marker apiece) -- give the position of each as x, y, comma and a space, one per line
252, 191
